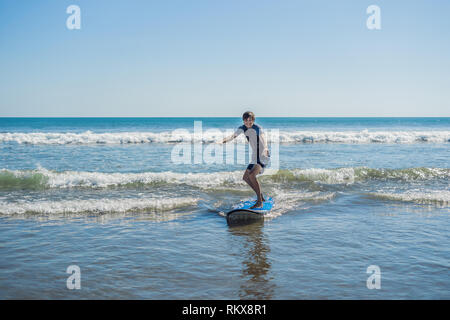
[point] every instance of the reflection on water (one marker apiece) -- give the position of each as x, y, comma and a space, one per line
256, 281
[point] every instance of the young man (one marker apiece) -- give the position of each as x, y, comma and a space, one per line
260, 154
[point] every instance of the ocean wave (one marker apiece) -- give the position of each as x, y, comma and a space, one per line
365, 137
152, 205
289, 200
47, 179
43, 179
299, 137
352, 175
439, 198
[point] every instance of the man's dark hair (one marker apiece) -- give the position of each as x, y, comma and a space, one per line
247, 115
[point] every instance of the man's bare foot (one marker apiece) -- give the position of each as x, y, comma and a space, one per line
257, 205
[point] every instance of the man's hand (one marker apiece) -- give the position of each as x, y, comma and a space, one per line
228, 139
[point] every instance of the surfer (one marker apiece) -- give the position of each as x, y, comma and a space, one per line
260, 153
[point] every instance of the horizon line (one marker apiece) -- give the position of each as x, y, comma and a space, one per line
147, 117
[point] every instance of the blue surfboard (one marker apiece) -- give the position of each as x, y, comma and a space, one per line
242, 210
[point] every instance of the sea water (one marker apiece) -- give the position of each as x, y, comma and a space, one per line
108, 195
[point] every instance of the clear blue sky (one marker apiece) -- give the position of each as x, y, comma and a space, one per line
221, 57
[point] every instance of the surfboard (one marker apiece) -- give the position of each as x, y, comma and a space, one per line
242, 210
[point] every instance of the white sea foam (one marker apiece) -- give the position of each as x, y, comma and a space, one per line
349, 137
329, 176
43, 178
101, 180
435, 197
150, 205
365, 137
350, 175
290, 200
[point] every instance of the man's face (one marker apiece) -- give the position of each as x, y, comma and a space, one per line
249, 122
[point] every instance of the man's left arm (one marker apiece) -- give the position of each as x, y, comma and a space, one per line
266, 149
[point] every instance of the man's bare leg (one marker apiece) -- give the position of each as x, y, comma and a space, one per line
246, 179
251, 183
252, 177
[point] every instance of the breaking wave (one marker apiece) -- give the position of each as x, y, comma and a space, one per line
431, 197
103, 206
47, 179
300, 137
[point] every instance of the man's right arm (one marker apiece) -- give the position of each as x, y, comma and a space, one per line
234, 135
229, 138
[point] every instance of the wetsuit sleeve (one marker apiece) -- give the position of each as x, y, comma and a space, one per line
264, 137
261, 130
238, 132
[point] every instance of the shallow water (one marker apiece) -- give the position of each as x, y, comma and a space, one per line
141, 226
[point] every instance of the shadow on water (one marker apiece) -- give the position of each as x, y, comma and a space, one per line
253, 246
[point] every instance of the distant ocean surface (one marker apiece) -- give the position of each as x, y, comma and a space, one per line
107, 195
